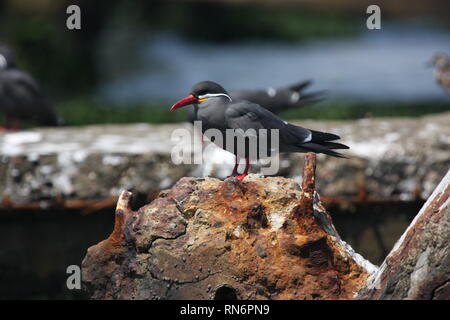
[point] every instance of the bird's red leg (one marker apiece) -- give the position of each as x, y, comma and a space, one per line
247, 167
236, 165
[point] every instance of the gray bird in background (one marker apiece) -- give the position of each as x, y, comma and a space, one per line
217, 110
441, 62
277, 100
21, 97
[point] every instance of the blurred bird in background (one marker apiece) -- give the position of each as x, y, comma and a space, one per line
441, 62
21, 98
281, 99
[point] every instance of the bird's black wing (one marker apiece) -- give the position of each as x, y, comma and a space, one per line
24, 83
246, 115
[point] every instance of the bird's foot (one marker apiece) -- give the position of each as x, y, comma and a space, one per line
238, 176
234, 174
241, 176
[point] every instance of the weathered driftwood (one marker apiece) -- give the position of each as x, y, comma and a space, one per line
260, 238
418, 267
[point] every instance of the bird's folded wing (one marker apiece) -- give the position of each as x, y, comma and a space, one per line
25, 94
246, 115
22, 82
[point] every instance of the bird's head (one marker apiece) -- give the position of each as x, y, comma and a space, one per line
440, 60
6, 58
201, 92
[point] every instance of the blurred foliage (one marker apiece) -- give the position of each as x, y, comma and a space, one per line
85, 111
346, 110
64, 61
219, 22
61, 60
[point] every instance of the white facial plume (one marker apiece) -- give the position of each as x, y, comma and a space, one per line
212, 95
3, 62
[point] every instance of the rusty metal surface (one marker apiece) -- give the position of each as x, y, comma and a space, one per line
308, 184
204, 237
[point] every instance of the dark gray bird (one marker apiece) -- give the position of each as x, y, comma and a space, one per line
277, 100
21, 97
224, 119
441, 62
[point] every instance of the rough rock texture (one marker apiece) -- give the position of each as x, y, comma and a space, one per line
260, 238
54, 166
390, 159
418, 267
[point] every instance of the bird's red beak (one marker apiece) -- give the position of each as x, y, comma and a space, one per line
190, 99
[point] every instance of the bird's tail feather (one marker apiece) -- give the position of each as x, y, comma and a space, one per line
321, 142
319, 136
335, 145
303, 98
314, 147
307, 97
301, 85
311, 97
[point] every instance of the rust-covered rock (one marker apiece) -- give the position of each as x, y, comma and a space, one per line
418, 267
213, 239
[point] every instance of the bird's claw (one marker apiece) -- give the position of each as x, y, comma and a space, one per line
238, 176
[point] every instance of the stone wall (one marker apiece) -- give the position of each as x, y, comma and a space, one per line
389, 160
